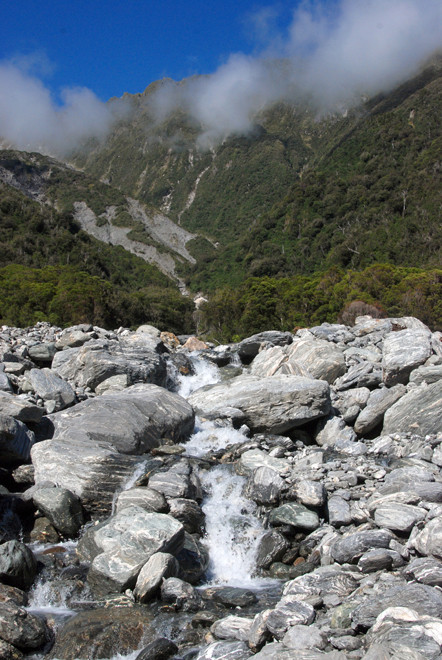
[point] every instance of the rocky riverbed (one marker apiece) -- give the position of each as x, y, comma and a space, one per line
273, 499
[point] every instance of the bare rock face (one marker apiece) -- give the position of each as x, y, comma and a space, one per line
274, 404
403, 351
418, 411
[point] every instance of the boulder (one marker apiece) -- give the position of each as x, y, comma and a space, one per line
289, 612
403, 351
429, 540
271, 548
103, 633
398, 517
180, 594
135, 355
232, 627
159, 566
62, 508
310, 493
16, 441
18, 566
21, 628
160, 649
225, 651
20, 408
351, 547
295, 515
378, 403
265, 486
42, 352
145, 498
55, 391
248, 348
417, 412
276, 404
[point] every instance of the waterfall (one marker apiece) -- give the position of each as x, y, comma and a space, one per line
205, 373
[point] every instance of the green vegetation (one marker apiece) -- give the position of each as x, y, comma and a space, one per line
302, 301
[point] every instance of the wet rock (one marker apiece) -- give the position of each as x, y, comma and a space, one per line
233, 596
423, 599
350, 548
9, 652
159, 649
12, 594
18, 565
159, 566
62, 508
418, 411
295, 515
188, 512
55, 391
20, 408
16, 441
21, 628
102, 633
232, 627
274, 404
180, 594
265, 486
125, 542
193, 559
403, 351
377, 404
271, 548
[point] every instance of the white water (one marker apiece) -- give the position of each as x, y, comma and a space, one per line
206, 373
210, 437
232, 529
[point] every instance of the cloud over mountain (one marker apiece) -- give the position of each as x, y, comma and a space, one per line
332, 53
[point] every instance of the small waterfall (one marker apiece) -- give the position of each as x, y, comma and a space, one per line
206, 373
232, 529
210, 437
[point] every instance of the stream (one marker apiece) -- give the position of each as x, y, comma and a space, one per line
232, 533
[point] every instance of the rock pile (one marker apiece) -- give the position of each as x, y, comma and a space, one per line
341, 450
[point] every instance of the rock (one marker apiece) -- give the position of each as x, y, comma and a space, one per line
310, 493
287, 613
378, 403
376, 560
274, 360
429, 540
403, 632
398, 517
19, 408
195, 344
43, 352
9, 652
322, 359
274, 404
21, 628
265, 486
421, 598
193, 559
62, 508
102, 633
124, 543
73, 338
232, 627
160, 565
258, 632
145, 498
18, 565
366, 374
188, 512
339, 512
57, 393
304, 637
181, 594
248, 348
324, 581
334, 433
5, 383
426, 570
113, 384
12, 594
426, 374
403, 351
160, 649
179, 481
254, 459
351, 547
224, 651
417, 412
295, 515
233, 596
16, 441
135, 355
271, 548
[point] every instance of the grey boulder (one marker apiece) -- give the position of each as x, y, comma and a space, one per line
55, 391
62, 508
16, 441
403, 351
274, 404
418, 411
18, 566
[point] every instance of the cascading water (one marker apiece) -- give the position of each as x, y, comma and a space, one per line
205, 373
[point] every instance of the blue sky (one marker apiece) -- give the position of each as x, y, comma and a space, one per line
112, 47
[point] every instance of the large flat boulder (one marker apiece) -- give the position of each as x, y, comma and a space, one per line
403, 351
419, 411
137, 355
275, 404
